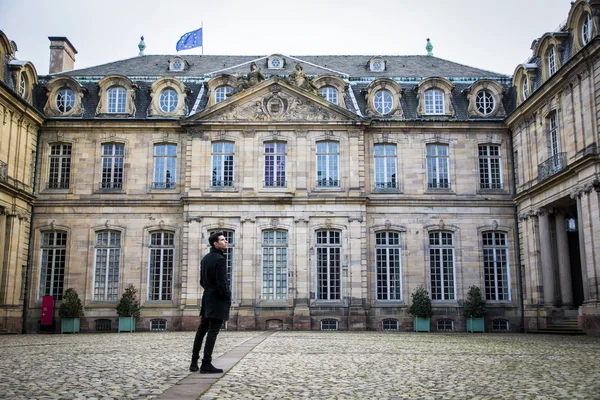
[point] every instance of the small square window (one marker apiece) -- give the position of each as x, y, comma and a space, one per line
500, 325
445, 325
103, 325
390, 324
329, 325
158, 325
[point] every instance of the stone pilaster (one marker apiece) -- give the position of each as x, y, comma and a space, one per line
564, 263
546, 258
301, 319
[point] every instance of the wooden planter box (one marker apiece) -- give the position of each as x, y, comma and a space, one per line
126, 324
69, 325
475, 324
422, 324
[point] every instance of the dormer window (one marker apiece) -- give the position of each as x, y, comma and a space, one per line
23, 85
221, 93
116, 100
383, 102
525, 88
168, 100
552, 61
484, 102
329, 93
275, 62
177, 64
65, 100
586, 29
434, 101
377, 65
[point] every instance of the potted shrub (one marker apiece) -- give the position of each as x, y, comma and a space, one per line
70, 311
421, 309
474, 307
128, 309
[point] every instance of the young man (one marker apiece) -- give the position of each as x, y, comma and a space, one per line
216, 302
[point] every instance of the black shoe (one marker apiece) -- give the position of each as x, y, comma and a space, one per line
210, 369
194, 367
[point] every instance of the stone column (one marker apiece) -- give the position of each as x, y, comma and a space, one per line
248, 163
564, 262
547, 259
589, 224
357, 317
303, 160
4, 265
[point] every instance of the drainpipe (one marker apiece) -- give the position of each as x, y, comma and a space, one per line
517, 239
30, 248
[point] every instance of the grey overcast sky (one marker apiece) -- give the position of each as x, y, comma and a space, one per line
495, 35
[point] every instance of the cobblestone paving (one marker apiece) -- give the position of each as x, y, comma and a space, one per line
99, 366
367, 365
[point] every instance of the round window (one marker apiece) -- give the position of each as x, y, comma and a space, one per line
168, 100
276, 63
377, 65
484, 102
65, 100
383, 102
177, 65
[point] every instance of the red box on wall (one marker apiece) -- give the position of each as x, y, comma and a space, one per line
47, 310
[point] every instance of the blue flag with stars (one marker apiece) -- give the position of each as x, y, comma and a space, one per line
190, 40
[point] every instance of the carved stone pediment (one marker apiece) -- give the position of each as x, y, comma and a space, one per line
275, 100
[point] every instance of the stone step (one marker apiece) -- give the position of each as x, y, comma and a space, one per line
558, 331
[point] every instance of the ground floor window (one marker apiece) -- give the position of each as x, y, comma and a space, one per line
158, 325
445, 325
500, 325
329, 324
390, 324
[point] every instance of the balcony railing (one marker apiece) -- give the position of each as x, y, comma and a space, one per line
275, 183
386, 186
328, 182
163, 185
111, 185
57, 185
227, 183
551, 166
442, 185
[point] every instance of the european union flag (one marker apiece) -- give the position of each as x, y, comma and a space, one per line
190, 40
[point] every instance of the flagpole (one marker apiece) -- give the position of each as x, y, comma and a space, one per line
202, 27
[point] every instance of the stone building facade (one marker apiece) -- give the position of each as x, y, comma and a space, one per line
342, 183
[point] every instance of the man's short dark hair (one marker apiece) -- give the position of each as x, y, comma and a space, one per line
214, 238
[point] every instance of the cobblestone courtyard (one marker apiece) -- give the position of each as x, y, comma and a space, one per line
310, 365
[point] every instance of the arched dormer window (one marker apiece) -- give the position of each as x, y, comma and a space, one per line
117, 95
581, 23
219, 87
548, 49
332, 89
383, 99
65, 96
25, 77
168, 98
434, 96
5, 50
485, 99
522, 81
276, 61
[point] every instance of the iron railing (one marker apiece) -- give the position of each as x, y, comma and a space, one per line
163, 185
551, 166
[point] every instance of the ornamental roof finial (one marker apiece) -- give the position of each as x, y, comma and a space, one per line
429, 48
141, 46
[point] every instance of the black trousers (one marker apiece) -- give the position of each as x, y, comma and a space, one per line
209, 327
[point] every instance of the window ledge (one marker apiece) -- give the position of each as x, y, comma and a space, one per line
492, 191
222, 189
390, 303
274, 303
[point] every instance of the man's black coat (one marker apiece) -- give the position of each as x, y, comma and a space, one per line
216, 300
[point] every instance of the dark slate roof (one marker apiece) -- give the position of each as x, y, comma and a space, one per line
353, 66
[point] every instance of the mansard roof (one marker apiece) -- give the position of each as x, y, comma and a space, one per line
351, 66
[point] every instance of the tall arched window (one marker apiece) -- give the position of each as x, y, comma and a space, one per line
222, 164
495, 266
54, 255
229, 254
329, 268
328, 164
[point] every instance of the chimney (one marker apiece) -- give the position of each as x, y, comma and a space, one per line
62, 54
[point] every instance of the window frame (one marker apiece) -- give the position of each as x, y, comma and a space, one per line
163, 248
390, 178
330, 94
328, 275
65, 100
59, 165
169, 106
162, 162
221, 93
382, 104
222, 164
56, 273
433, 162
273, 177
328, 164
498, 280
490, 167
275, 248
113, 175
116, 100
111, 288
387, 252
483, 102
447, 287
434, 101
551, 59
